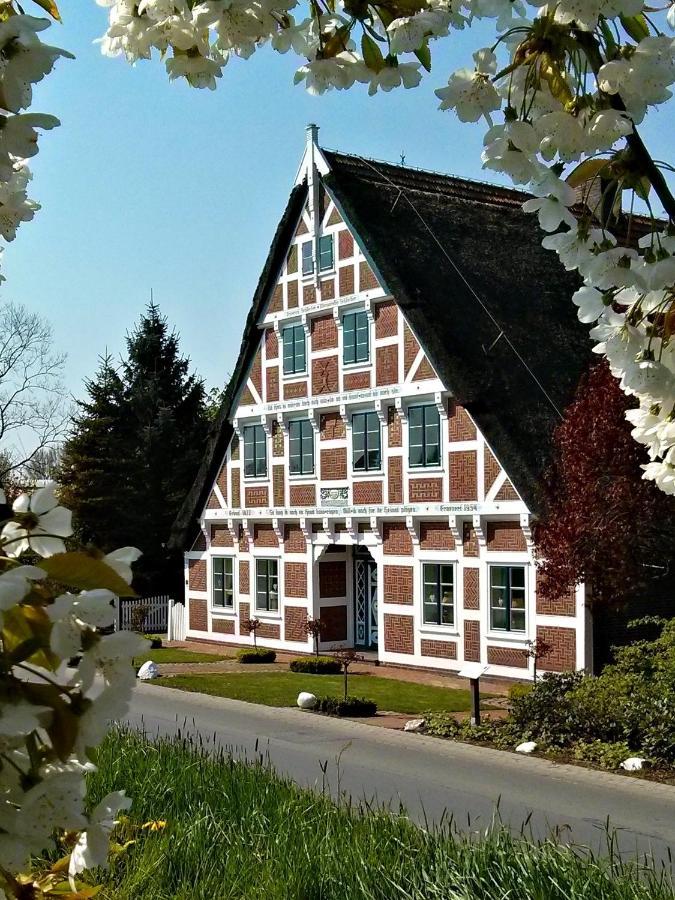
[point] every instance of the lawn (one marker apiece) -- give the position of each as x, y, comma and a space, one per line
238, 831
176, 655
282, 689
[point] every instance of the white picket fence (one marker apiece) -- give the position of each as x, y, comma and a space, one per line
149, 615
177, 624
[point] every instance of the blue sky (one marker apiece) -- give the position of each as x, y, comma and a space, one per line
150, 185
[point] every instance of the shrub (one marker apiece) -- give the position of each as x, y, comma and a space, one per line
352, 706
518, 690
499, 732
155, 641
603, 754
315, 665
256, 655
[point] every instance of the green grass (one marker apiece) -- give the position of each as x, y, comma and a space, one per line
282, 689
176, 655
238, 831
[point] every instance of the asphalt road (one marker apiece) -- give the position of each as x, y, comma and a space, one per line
432, 778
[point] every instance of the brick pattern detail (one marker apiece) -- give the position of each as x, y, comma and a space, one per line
332, 578
295, 620
294, 539
257, 496
345, 245
346, 280
463, 475
398, 584
243, 540
356, 381
469, 540
302, 228
272, 384
199, 542
334, 464
505, 536
563, 656
331, 426
395, 480
335, 621
328, 289
277, 301
367, 279
292, 260
270, 631
197, 615
221, 481
197, 574
410, 348
234, 447
367, 492
436, 536
507, 492
295, 579
247, 398
244, 616
324, 333
386, 319
440, 649
421, 489
507, 656
244, 578
563, 605
398, 634
394, 427
277, 439
303, 495
221, 536
256, 372
295, 389
396, 540
335, 218
278, 475
471, 640
264, 536
386, 365
424, 370
222, 626
471, 589
213, 502
292, 294
460, 426
236, 488
308, 295
491, 469
325, 375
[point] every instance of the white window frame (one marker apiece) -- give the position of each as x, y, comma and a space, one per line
222, 610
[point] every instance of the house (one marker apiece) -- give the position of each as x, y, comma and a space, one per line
379, 455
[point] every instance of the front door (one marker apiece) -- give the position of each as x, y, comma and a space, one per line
365, 600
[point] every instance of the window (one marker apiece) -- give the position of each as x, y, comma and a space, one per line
267, 585
507, 598
255, 451
307, 258
424, 436
355, 337
293, 338
438, 593
325, 252
222, 582
366, 442
301, 442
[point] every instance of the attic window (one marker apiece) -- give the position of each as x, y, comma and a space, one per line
355, 337
255, 451
293, 338
325, 252
307, 258
424, 436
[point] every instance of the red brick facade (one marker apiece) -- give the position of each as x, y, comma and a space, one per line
410, 349
294, 539
396, 539
471, 588
386, 365
264, 536
221, 536
398, 584
346, 280
295, 389
302, 494
295, 579
395, 480
271, 344
507, 656
367, 279
563, 605
394, 428
295, 622
386, 319
334, 464
345, 247
439, 649
272, 384
422, 490
197, 574
463, 475
460, 426
505, 536
244, 616
490, 471
324, 333
436, 536
367, 492
243, 576
471, 640
325, 375
356, 381
278, 478
398, 634
331, 426
257, 496
197, 615
563, 655
222, 626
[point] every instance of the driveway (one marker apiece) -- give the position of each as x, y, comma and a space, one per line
432, 778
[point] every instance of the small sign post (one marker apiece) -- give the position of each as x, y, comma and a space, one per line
473, 672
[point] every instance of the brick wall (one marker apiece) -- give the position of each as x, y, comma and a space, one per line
424, 370
271, 344
436, 536
505, 536
398, 584
294, 539
256, 373
295, 621
491, 469
410, 348
563, 605
367, 279
197, 574
272, 384
507, 656
328, 289
303, 495
197, 615
356, 381
346, 280
246, 397
563, 656
471, 588
244, 576
345, 245
199, 542
277, 301
334, 464
395, 479
460, 426
292, 294
471, 640
396, 540
394, 429
335, 619
264, 536
325, 375
234, 447
367, 492
398, 634
244, 616
277, 439
463, 475
386, 319
269, 630
295, 579
507, 492
332, 578
295, 389
386, 365
257, 496
309, 294
421, 489
222, 626
221, 536
236, 488
221, 481
278, 476
440, 649
213, 501
243, 540
324, 333
331, 426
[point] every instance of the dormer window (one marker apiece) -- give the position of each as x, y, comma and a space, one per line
293, 339
307, 258
424, 436
325, 252
355, 342
255, 451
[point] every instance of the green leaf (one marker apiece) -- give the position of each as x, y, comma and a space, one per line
586, 170
85, 573
642, 187
337, 42
49, 7
423, 53
372, 54
25, 623
635, 26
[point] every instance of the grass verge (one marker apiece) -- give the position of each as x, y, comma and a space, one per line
282, 689
176, 655
238, 831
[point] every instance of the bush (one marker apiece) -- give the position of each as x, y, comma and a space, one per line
519, 689
316, 665
256, 655
603, 754
352, 706
499, 732
155, 641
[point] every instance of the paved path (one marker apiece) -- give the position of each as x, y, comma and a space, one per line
432, 778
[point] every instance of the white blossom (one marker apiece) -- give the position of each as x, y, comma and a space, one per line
122, 560
39, 524
91, 848
471, 93
407, 75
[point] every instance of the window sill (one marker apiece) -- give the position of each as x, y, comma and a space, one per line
310, 476
447, 630
511, 637
425, 470
225, 611
294, 376
263, 615
371, 473
257, 478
